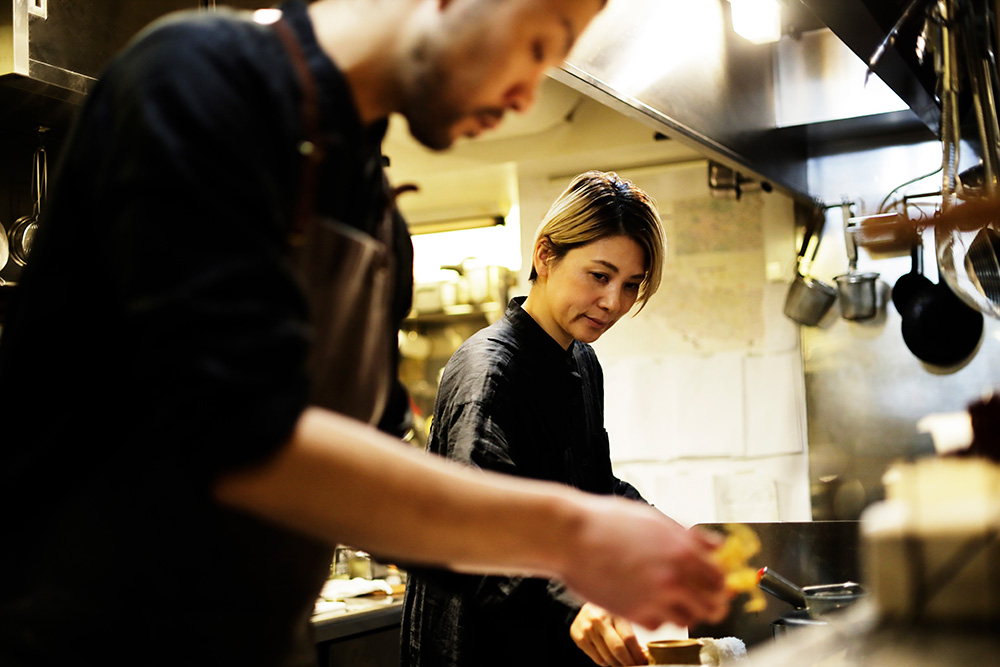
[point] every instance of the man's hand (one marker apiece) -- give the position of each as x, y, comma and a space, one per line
638, 563
607, 639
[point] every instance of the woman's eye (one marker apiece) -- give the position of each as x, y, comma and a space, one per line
632, 287
601, 277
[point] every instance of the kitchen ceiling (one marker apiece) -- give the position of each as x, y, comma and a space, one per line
564, 133
673, 87
676, 86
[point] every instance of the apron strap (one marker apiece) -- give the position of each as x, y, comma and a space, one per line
312, 146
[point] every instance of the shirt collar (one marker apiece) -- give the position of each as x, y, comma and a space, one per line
535, 337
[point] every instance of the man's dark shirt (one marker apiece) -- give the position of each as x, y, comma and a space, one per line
511, 400
160, 340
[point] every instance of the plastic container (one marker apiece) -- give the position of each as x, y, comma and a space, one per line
930, 551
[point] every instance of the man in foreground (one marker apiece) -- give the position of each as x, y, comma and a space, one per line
191, 435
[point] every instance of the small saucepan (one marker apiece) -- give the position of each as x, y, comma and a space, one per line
793, 620
22, 233
808, 298
817, 601
857, 290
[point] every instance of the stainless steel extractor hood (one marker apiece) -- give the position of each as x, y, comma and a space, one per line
863, 26
679, 66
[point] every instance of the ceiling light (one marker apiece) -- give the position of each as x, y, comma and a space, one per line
758, 21
455, 224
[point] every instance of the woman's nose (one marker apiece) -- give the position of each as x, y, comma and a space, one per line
610, 299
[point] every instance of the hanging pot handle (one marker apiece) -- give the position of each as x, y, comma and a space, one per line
814, 232
849, 242
917, 255
40, 172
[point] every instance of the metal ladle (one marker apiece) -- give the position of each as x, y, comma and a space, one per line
968, 258
22, 233
981, 261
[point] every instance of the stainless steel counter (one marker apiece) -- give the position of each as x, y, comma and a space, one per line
362, 615
859, 639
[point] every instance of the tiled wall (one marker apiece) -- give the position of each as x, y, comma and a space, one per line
705, 404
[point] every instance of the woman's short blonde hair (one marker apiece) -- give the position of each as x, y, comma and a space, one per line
598, 205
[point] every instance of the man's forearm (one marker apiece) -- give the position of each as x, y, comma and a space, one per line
341, 481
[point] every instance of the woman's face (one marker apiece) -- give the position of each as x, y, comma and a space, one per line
583, 294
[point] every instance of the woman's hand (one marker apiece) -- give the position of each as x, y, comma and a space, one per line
607, 639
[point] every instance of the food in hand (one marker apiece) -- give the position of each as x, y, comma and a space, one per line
733, 557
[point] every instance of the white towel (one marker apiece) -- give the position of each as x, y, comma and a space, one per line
722, 652
340, 589
326, 606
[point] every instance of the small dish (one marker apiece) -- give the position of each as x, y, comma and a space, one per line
674, 652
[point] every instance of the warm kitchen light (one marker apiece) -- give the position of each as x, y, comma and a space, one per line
456, 224
691, 49
497, 244
758, 21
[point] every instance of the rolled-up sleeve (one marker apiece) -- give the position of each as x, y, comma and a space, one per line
192, 189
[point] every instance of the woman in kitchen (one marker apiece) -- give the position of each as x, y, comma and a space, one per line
525, 397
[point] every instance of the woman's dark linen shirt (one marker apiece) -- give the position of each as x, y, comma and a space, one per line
511, 400
159, 340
